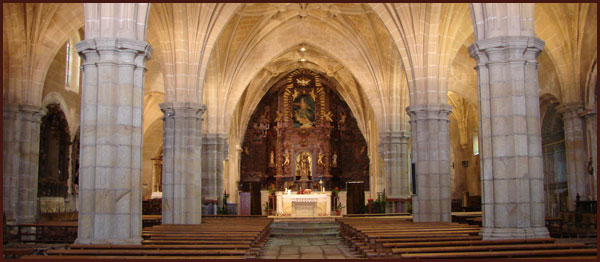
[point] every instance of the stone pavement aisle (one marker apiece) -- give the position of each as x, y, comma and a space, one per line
306, 240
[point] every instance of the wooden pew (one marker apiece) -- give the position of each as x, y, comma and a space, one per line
439, 242
365, 234
17, 252
447, 240
121, 257
516, 246
147, 252
504, 254
47, 232
215, 238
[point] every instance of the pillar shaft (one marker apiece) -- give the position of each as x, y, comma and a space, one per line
509, 120
21, 146
213, 154
431, 155
111, 140
394, 146
591, 124
577, 179
182, 163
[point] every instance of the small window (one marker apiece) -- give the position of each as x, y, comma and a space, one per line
68, 65
72, 66
475, 142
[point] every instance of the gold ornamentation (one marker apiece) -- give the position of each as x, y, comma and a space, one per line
302, 81
304, 165
278, 117
320, 161
327, 116
272, 160
342, 118
287, 158
334, 160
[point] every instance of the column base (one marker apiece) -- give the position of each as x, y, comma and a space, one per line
514, 233
87, 241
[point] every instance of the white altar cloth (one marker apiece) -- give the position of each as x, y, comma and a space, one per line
305, 205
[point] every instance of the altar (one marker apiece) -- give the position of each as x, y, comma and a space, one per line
304, 205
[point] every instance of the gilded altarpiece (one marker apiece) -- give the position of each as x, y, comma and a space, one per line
303, 131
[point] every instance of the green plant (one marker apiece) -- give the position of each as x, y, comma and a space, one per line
271, 188
339, 207
335, 191
223, 209
267, 209
379, 204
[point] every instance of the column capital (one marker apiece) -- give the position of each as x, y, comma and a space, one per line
435, 111
32, 113
10, 111
492, 49
95, 45
504, 42
589, 114
394, 137
182, 109
213, 138
569, 111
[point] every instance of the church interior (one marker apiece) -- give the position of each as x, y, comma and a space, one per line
299, 130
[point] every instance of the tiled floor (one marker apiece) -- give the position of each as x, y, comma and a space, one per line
324, 247
305, 241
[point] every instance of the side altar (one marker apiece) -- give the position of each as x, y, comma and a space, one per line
304, 205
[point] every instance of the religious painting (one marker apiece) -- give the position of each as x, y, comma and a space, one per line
304, 111
303, 166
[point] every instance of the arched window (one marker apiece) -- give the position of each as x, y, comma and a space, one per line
475, 142
68, 64
72, 64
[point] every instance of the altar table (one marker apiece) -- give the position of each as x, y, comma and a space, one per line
304, 205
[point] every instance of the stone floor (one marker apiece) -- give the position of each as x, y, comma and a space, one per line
305, 241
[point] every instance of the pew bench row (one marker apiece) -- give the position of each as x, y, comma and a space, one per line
396, 238
215, 238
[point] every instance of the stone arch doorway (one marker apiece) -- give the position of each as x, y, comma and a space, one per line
555, 164
53, 171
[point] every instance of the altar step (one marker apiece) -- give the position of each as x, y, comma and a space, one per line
304, 228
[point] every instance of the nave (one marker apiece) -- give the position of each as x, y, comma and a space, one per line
364, 236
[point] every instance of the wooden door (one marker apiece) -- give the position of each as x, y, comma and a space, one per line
355, 201
255, 205
245, 203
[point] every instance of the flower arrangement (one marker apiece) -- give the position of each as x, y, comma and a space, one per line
335, 191
271, 188
305, 191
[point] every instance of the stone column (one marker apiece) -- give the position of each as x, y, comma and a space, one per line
21, 146
591, 123
182, 162
511, 151
10, 161
112, 101
394, 147
577, 179
431, 154
212, 166
221, 180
